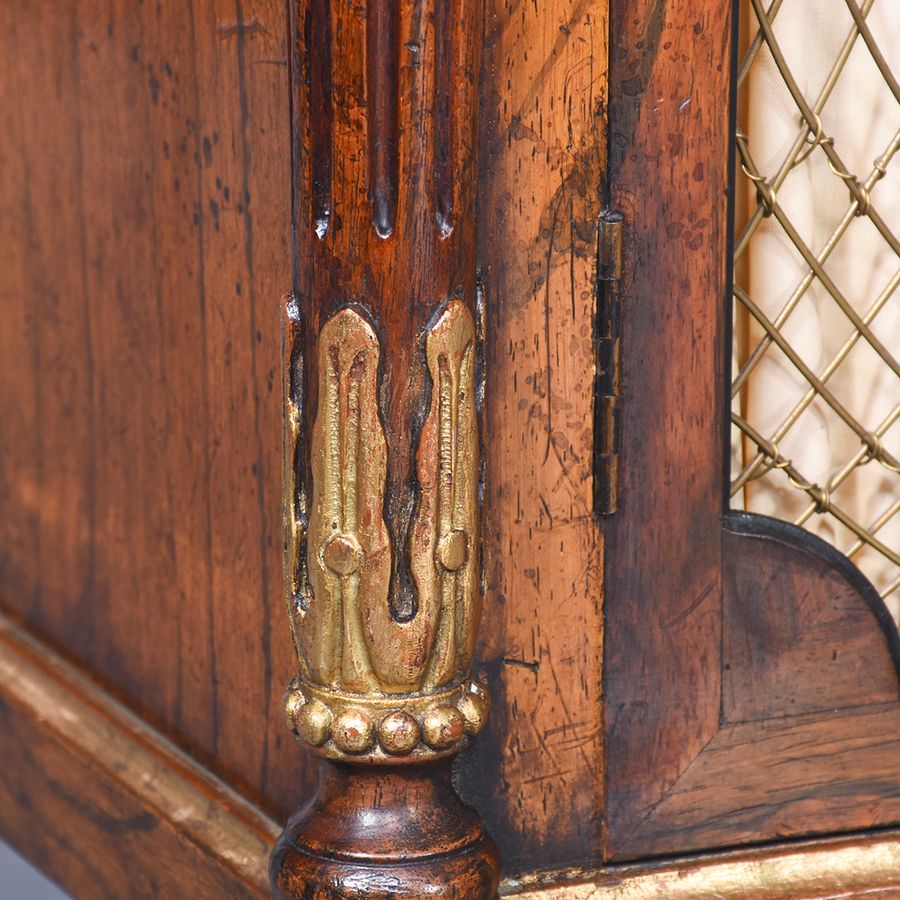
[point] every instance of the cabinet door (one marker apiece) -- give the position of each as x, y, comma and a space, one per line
750, 669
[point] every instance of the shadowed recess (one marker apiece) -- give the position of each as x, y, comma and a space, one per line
318, 73
445, 15
382, 27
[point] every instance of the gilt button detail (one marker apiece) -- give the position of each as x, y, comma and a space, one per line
342, 554
453, 550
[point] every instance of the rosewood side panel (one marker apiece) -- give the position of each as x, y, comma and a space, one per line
144, 245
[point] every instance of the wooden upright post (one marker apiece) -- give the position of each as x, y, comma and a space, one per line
382, 388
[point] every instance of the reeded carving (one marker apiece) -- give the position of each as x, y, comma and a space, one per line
390, 111
370, 685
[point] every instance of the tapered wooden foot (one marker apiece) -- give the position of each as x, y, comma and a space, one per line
385, 832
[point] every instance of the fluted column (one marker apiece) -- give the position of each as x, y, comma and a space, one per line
382, 464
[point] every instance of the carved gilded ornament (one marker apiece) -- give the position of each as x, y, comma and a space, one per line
371, 686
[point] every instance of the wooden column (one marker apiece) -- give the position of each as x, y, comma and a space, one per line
382, 399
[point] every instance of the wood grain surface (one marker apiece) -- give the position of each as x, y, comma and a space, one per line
669, 67
543, 157
800, 633
796, 777
385, 123
146, 245
146, 241
385, 833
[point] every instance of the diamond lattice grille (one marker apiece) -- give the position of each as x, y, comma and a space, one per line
816, 387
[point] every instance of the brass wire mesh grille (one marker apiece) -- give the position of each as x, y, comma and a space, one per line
819, 447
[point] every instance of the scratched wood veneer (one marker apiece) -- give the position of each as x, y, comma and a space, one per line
543, 159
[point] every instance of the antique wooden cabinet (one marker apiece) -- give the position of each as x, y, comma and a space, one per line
414, 313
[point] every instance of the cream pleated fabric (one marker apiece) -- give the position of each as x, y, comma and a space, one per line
862, 117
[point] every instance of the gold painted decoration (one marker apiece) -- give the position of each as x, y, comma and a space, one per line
292, 498
446, 540
348, 553
371, 686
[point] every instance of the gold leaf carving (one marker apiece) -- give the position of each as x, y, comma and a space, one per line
435, 647
371, 685
348, 550
446, 541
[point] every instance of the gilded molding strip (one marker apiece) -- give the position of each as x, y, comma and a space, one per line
372, 687
867, 864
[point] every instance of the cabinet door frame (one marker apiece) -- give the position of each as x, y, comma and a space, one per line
698, 753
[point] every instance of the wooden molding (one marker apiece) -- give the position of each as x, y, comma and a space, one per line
104, 805
809, 731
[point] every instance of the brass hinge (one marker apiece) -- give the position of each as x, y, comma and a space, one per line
606, 419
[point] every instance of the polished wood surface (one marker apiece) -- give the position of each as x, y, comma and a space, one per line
383, 833
386, 373
808, 737
385, 124
831, 647
132, 800
145, 249
141, 440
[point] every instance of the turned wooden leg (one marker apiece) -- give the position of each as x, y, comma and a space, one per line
377, 832
382, 464
386, 700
